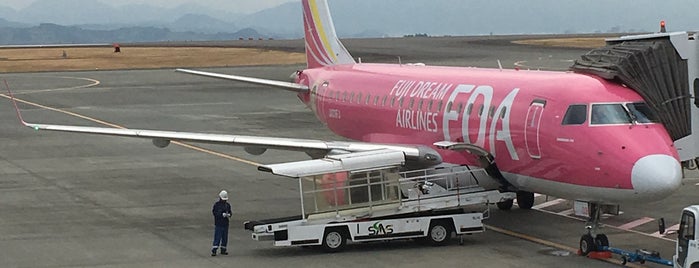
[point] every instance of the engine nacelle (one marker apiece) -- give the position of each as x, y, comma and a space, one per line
161, 143
255, 150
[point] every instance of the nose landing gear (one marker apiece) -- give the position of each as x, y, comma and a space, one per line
593, 241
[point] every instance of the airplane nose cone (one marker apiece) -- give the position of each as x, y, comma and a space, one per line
656, 176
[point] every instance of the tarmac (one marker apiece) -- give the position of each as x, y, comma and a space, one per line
72, 200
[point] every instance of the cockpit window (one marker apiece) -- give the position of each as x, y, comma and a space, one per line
609, 114
576, 115
642, 113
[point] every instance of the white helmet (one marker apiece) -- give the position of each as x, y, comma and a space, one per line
223, 195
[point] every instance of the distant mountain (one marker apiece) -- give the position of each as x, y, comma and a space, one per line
201, 24
365, 18
48, 33
283, 20
474, 17
11, 24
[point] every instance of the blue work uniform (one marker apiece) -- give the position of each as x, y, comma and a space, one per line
221, 223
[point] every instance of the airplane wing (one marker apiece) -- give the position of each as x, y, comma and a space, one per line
252, 80
253, 144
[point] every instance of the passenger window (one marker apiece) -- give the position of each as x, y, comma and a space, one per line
480, 110
429, 106
412, 102
345, 96
376, 100
337, 95
469, 108
393, 101
383, 102
351, 99
575, 115
449, 104
368, 97
461, 107
608, 114
492, 112
359, 98
504, 111
642, 113
419, 105
439, 106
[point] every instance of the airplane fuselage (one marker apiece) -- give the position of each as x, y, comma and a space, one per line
518, 116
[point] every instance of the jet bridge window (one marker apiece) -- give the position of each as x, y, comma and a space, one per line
642, 113
575, 115
609, 114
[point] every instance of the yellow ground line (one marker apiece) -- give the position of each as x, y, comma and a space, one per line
182, 144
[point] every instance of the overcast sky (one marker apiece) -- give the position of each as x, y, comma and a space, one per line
238, 5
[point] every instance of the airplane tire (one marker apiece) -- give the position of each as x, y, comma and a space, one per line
505, 205
587, 244
601, 240
525, 200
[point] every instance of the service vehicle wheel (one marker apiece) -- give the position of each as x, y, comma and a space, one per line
587, 244
439, 233
334, 240
601, 240
505, 205
525, 200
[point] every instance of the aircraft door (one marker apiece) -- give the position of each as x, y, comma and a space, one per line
684, 235
531, 128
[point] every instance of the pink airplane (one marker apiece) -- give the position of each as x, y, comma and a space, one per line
563, 134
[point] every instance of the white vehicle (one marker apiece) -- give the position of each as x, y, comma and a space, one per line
362, 197
687, 249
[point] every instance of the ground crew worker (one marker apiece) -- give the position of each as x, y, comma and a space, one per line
222, 212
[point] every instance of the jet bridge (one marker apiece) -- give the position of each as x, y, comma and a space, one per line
664, 69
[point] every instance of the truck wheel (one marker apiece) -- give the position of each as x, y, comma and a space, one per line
587, 244
439, 232
334, 240
505, 205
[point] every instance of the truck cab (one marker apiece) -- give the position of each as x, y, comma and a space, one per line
687, 251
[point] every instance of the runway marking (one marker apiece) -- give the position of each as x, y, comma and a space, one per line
93, 83
549, 203
670, 230
567, 212
636, 223
182, 144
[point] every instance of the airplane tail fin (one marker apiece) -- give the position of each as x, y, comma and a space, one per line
323, 48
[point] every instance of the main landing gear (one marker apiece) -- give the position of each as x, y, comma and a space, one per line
525, 200
592, 241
